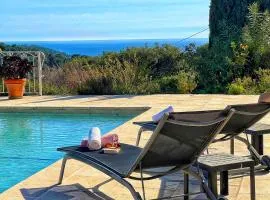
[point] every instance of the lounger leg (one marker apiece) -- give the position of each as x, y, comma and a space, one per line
186, 186
135, 195
212, 182
62, 170
143, 190
116, 177
232, 146
199, 176
252, 184
224, 183
139, 136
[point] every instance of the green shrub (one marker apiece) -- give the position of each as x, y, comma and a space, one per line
212, 67
264, 80
168, 84
236, 89
51, 89
64, 80
254, 49
245, 85
232, 13
2, 46
187, 82
117, 77
98, 82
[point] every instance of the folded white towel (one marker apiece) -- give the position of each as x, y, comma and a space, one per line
159, 115
94, 139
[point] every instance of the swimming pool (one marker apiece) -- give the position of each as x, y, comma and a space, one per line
28, 141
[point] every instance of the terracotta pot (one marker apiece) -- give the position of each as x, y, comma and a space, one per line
15, 88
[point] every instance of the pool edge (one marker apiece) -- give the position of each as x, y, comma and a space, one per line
75, 110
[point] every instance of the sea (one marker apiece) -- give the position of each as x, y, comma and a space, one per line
98, 47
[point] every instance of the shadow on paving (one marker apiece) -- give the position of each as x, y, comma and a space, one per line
98, 98
62, 192
78, 192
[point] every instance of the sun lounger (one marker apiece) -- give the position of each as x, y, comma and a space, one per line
245, 116
172, 144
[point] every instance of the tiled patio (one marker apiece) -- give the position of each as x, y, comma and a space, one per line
80, 179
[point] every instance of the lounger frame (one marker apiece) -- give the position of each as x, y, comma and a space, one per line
122, 180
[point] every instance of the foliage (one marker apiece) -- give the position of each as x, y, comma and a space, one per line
14, 67
64, 80
131, 71
228, 55
168, 84
212, 68
253, 51
2, 46
242, 86
183, 82
264, 80
247, 85
158, 60
256, 36
52, 59
114, 77
238, 59
227, 18
186, 82
51, 89
118, 77
236, 87
235, 61
250, 58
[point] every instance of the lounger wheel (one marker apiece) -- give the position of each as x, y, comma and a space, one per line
265, 160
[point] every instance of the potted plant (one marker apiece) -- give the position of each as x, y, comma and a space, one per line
14, 71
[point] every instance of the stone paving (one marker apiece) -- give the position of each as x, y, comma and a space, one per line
83, 182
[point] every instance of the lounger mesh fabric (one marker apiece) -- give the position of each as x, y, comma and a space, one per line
163, 151
197, 116
245, 116
178, 138
119, 163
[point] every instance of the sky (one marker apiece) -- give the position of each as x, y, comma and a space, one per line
47, 20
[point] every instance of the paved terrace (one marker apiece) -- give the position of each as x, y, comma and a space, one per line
80, 178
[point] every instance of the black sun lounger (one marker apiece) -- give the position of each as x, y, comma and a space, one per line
244, 117
165, 148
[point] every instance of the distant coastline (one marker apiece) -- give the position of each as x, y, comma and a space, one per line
97, 47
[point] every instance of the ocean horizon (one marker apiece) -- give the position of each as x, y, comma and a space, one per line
98, 47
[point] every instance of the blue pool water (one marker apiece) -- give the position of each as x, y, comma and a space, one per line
28, 141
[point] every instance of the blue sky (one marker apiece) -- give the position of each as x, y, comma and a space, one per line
36, 20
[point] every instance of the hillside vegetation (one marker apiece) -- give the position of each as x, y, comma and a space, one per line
239, 65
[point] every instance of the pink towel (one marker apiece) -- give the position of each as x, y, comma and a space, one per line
110, 141
84, 142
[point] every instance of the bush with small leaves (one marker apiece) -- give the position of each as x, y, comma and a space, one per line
264, 80
187, 82
168, 84
245, 85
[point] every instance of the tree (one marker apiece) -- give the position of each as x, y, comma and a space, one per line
252, 52
2, 46
228, 17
